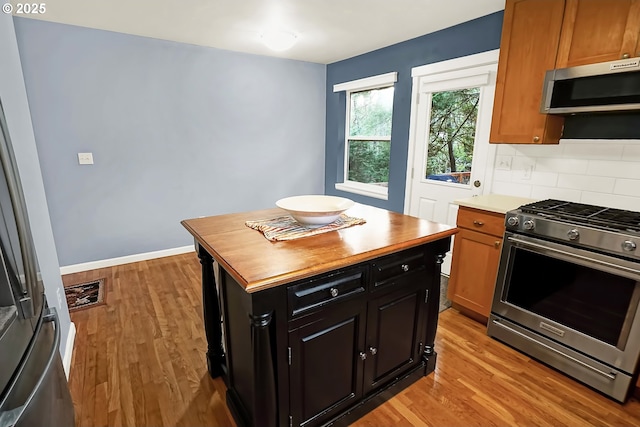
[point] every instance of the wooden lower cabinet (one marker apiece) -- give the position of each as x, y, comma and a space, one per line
474, 266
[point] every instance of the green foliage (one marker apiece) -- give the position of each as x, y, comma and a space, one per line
370, 112
369, 161
370, 116
452, 131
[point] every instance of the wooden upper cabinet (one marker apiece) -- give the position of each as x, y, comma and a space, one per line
598, 31
530, 38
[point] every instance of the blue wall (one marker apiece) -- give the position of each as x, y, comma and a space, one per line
471, 37
177, 131
14, 101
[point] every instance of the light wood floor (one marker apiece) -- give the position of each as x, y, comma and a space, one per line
139, 361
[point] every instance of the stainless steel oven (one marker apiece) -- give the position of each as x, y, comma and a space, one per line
568, 292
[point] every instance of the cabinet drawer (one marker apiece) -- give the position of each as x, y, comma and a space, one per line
482, 221
396, 268
326, 289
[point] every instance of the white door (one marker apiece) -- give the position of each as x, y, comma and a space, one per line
449, 151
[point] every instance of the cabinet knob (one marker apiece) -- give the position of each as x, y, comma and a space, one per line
334, 292
373, 351
363, 355
625, 55
478, 223
404, 267
496, 244
536, 138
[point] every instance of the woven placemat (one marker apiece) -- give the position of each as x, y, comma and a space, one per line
287, 228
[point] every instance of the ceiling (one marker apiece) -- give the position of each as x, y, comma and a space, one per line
327, 30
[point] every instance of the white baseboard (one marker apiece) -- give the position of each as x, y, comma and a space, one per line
68, 349
92, 265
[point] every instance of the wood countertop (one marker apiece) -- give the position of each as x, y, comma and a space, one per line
258, 264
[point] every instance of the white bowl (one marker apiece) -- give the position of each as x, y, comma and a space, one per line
315, 209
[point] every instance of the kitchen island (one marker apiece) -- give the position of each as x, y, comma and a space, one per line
322, 329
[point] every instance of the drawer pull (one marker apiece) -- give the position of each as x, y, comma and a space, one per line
496, 244
373, 351
478, 223
363, 355
334, 292
405, 267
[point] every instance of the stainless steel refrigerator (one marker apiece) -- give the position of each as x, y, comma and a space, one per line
33, 386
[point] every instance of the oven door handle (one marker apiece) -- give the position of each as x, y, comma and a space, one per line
610, 375
572, 255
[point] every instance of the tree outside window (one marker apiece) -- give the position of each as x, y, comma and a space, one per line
452, 134
369, 136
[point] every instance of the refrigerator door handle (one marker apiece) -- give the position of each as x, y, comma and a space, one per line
7, 158
11, 417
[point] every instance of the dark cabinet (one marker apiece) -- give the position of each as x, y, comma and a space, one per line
352, 332
326, 349
393, 336
325, 375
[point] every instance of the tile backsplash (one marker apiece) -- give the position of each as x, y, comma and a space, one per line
596, 172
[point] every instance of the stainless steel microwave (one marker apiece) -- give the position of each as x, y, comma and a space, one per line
602, 87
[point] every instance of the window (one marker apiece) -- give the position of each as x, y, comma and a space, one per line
369, 108
452, 135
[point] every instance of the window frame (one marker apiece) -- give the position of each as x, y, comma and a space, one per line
380, 81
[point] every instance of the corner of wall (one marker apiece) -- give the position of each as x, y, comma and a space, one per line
68, 349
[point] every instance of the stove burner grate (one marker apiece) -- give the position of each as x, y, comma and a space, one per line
579, 213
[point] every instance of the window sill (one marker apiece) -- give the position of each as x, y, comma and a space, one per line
368, 190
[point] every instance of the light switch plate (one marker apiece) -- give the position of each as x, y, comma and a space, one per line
85, 158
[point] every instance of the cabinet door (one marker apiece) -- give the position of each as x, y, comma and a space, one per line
393, 331
474, 268
530, 36
597, 31
325, 375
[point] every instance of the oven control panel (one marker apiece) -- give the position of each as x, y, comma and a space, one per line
614, 242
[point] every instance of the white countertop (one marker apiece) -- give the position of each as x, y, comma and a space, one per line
494, 202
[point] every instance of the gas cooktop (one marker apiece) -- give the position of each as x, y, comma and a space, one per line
578, 213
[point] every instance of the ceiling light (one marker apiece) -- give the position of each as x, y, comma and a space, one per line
278, 40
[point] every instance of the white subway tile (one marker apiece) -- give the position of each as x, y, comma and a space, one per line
505, 150
547, 179
539, 150
567, 141
627, 187
611, 200
614, 169
511, 189
606, 150
555, 193
560, 165
520, 163
631, 151
501, 175
598, 184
